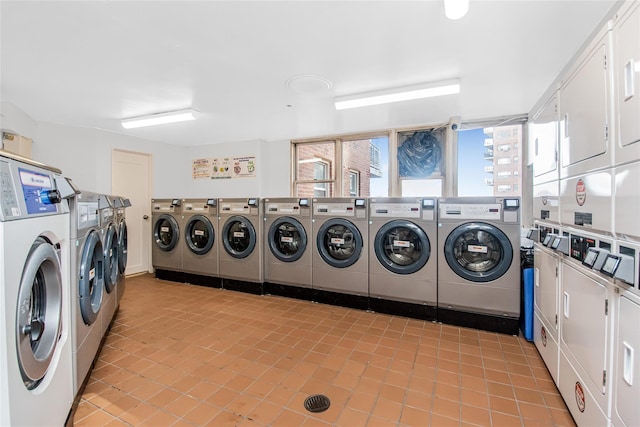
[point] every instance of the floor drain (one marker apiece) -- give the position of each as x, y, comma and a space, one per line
317, 403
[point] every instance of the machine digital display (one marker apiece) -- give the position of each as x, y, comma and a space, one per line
175, 202
428, 203
360, 203
610, 265
590, 258
511, 203
212, 202
253, 202
34, 184
303, 202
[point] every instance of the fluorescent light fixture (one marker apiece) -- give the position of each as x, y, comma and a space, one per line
159, 119
456, 9
406, 93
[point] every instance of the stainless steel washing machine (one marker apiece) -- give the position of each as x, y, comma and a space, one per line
287, 252
403, 265
478, 262
166, 252
241, 244
200, 241
109, 235
87, 284
120, 206
340, 261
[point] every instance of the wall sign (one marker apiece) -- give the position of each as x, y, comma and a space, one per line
224, 167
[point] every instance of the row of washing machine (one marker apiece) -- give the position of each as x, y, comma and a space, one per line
54, 310
450, 259
586, 319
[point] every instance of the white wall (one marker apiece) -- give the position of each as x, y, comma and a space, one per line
84, 155
272, 170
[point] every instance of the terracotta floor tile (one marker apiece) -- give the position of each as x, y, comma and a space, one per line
261, 356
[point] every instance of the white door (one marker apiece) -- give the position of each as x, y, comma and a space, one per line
131, 178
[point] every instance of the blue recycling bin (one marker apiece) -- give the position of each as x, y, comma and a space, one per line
526, 314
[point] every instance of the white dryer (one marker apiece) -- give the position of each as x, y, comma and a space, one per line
87, 284
109, 234
403, 266
478, 262
201, 242
586, 331
340, 257
287, 247
166, 250
241, 255
36, 358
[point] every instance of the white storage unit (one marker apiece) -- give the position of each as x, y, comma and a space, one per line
625, 410
546, 295
626, 39
586, 329
546, 201
585, 110
585, 202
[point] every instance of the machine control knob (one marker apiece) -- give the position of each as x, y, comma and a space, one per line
145, 217
50, 197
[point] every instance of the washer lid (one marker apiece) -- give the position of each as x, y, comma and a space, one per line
166, 232
478, 252
339, 243
287, 239
239, 237
402, 247
199, 234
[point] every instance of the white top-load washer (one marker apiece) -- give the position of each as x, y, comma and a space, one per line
403, 265
36, 357
478, 262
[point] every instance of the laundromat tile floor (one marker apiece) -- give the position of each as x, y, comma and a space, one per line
184, 355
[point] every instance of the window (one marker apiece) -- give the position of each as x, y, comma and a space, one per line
354, 183
419, 159
314, 169
341, 167
482, 171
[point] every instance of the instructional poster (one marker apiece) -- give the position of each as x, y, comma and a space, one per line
224, 167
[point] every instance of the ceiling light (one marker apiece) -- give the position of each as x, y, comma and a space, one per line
159, 119
406, 93
456, 9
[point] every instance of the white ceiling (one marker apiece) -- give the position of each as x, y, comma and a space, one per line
92, 63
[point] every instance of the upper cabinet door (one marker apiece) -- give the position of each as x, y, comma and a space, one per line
627, 77
585, 110
543, 137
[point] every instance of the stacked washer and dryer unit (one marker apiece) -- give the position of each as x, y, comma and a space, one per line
36, 354
587, 260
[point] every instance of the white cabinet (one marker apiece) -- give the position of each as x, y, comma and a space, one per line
543, 138
626, 36
585, 110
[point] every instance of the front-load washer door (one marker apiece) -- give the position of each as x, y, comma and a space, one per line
287, 239
402, 247
199, 234
238, 237
111, 268
39, 311
91, 278
166, 232
339, 243
122, 246
478, 252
